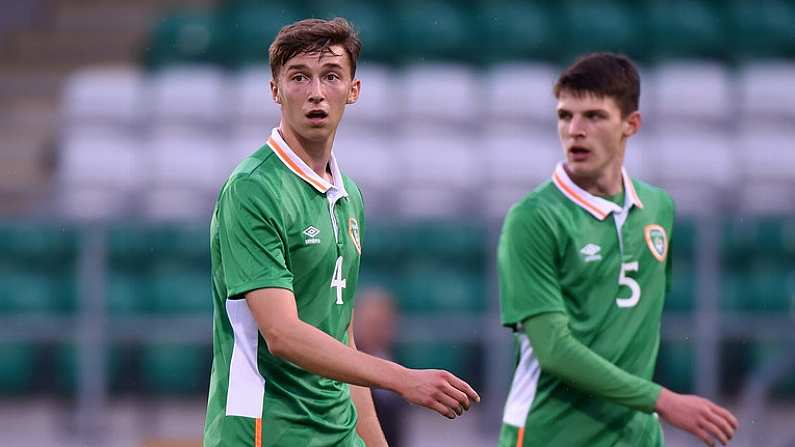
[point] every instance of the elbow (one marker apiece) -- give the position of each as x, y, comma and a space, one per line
277, 341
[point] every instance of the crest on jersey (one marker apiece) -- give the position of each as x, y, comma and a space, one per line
353, 232
657, 240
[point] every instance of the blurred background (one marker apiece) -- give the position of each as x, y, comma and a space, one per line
119, 121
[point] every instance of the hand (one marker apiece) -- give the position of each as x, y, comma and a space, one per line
437, 390
698, 416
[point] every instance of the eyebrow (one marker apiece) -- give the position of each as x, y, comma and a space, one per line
306, 67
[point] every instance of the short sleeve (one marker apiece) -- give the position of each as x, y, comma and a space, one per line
527, 266
252, 239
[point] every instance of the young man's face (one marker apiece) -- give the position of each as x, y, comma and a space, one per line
313, 90
592, 133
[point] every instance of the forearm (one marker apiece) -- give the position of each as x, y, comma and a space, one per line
560, 354
367, 424
317, 352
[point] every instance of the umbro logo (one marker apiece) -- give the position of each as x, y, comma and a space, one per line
311, 233
591, 253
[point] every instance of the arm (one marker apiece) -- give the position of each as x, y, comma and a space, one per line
559, 353
367, 425
293, 340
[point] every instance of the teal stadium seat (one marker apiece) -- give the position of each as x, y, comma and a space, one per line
17, 368
438, 288
762, 29
184, 37
250, 26
603, 25
371, 19
434, 30
675, 366
462, 359
767, 289
685, 29
517, 30
117, 369
181, 292
175, 368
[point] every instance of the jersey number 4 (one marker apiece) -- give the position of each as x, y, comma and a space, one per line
337, 281
633, 285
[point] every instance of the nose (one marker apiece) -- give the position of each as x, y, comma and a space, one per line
577, 126
316, 94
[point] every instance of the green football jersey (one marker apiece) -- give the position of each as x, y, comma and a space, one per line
608, 268
278, 224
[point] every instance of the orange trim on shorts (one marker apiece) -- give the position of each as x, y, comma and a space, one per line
258, 433
520, 437
601, 215
283, 155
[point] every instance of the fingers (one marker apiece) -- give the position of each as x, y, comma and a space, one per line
464, 387
443, 410
713, 431
459, 396
722, 423
727, 415
448, 402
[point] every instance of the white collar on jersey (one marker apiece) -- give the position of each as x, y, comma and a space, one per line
301, 169
600, 208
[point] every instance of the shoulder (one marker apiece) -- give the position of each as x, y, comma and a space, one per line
538, 211
258, 177
653, 196
353, 191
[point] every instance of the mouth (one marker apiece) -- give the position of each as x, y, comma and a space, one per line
579, 153
316, 116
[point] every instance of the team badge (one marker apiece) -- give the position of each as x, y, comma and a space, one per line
657, 240
353, 232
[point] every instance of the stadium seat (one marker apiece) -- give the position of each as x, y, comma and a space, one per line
433, 30
762, 29
187, 172
766, 94
185, 37
764, 352
604, 25
378, 105
249, 28
440, 96
253, 104
175, 369
517, 30
462, 359
19, 366
766, 289
520, 95
194, 97
370, 159
35, 292
104, 96
693, 165
128, 294
675, 366
66, 362
430, 287
181, 291
764, 238
100, 174
682, 296
691, 94
685, 29
371, 20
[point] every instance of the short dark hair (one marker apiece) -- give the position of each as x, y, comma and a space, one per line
604, 75
313, 36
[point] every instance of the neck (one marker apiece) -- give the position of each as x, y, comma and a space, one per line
315, 153
607, 183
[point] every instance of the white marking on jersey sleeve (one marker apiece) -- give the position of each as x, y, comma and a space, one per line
523, 387
246, 384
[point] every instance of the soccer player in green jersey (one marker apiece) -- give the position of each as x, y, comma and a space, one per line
286, 240
584, 265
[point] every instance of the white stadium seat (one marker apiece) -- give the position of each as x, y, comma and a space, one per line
253, 103
106, 96
692, 94
190, 96
520, 95
768, 93
441, 96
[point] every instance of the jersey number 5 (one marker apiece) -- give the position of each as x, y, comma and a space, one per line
337, 281
633, 285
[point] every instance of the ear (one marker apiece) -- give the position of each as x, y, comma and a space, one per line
631, 124
353, 93
275, 92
